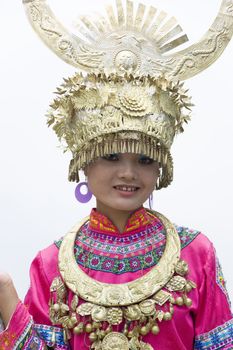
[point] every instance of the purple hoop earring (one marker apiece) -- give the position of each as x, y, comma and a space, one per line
151, 201
82, 198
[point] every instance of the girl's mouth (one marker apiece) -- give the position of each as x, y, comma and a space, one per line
126, 188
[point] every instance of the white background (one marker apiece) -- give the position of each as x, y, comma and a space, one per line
37, 202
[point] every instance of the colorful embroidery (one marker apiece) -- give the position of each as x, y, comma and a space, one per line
116, 265
100, 223
102, 249
34, 343
34, 337
25, 335
220, 279
116, 244
218, 338
120, 253
7, 340
51, 335
117, 254
186, 235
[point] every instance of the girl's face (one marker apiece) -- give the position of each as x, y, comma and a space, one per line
122, 181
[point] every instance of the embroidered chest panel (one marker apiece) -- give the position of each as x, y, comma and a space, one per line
118, 254
128, 253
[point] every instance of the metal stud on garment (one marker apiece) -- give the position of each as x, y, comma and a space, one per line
82, 198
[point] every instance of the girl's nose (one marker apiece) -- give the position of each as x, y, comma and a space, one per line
127, 170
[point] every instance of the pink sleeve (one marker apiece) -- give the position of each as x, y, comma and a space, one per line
38, 295
30, 327
17, 330
213, 322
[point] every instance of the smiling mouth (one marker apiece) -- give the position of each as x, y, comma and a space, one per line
126, 188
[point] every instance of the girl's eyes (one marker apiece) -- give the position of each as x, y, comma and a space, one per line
142, 159
145, 160
112, 156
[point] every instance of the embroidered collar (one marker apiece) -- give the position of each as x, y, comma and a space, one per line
139, 219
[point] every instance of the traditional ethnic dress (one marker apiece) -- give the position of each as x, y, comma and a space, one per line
130, 100
109, 256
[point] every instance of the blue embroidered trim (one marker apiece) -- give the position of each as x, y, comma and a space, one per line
217, 338
24, 336
58, 243
47, 332
186, 234
220, 280
34, 343
115, 265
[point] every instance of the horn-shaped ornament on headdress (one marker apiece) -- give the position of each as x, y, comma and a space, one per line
124, 41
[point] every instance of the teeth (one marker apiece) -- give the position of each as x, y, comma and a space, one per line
126, 188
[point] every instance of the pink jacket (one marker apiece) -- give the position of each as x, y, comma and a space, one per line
207, 324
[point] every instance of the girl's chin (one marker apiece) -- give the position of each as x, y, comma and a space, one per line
126, 206
121, 204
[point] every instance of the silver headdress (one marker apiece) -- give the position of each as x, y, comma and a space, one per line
131, 99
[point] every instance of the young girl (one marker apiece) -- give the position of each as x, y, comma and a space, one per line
125, 277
